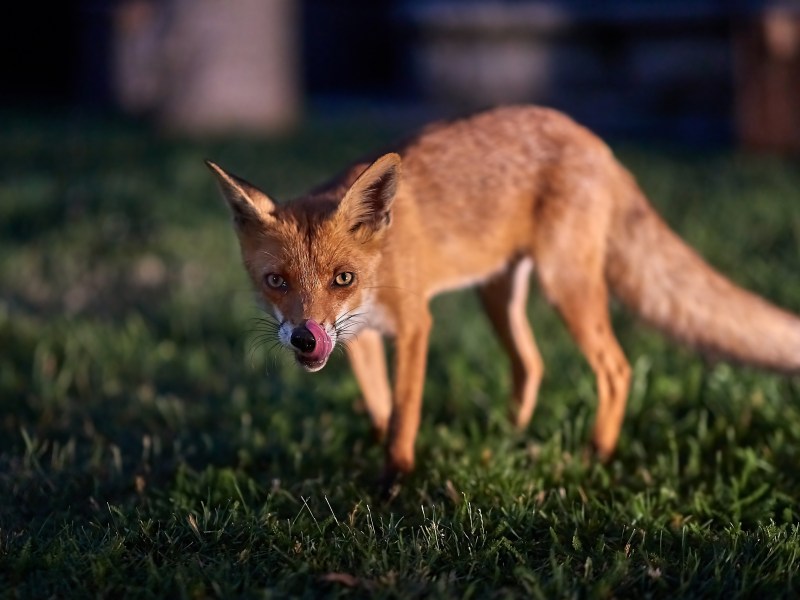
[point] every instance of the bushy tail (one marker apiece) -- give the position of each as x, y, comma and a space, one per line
651, 270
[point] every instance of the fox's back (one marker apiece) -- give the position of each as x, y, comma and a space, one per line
474, 188
495, 154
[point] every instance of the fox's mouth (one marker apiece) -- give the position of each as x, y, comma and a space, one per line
310, 364
312, 345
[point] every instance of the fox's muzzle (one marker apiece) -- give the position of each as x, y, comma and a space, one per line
312, 345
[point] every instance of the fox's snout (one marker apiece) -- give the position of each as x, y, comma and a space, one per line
312, 344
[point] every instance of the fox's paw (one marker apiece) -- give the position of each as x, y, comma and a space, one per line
389, 484
379, 433
601, 452
393, 474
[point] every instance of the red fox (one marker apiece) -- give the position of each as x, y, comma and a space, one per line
484, 201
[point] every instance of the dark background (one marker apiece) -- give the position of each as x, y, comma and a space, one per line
696, 71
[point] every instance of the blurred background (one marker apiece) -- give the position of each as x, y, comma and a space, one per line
694, 71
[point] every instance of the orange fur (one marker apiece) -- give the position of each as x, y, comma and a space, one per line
478, 202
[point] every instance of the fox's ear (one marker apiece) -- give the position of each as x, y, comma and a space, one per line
247, 202
368, 202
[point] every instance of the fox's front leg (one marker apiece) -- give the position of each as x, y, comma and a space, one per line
410, 357
369, 366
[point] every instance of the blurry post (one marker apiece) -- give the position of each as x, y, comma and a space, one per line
768, 81
205, 66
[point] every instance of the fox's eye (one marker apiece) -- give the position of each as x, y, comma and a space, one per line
275, 281
344, 279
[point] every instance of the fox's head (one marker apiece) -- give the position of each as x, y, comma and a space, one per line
314, 260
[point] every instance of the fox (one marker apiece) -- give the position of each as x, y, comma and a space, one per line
488, 201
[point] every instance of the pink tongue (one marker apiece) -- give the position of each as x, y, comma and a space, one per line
323, 345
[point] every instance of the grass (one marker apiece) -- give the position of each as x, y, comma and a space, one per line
149, 446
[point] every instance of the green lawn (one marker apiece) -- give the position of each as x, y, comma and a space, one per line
152, 445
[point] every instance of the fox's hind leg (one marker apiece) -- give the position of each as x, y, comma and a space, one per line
570, 270
505, 300
368, 360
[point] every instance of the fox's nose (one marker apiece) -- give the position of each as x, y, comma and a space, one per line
303, 339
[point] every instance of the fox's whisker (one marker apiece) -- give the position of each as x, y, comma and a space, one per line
347, 316
352, 323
